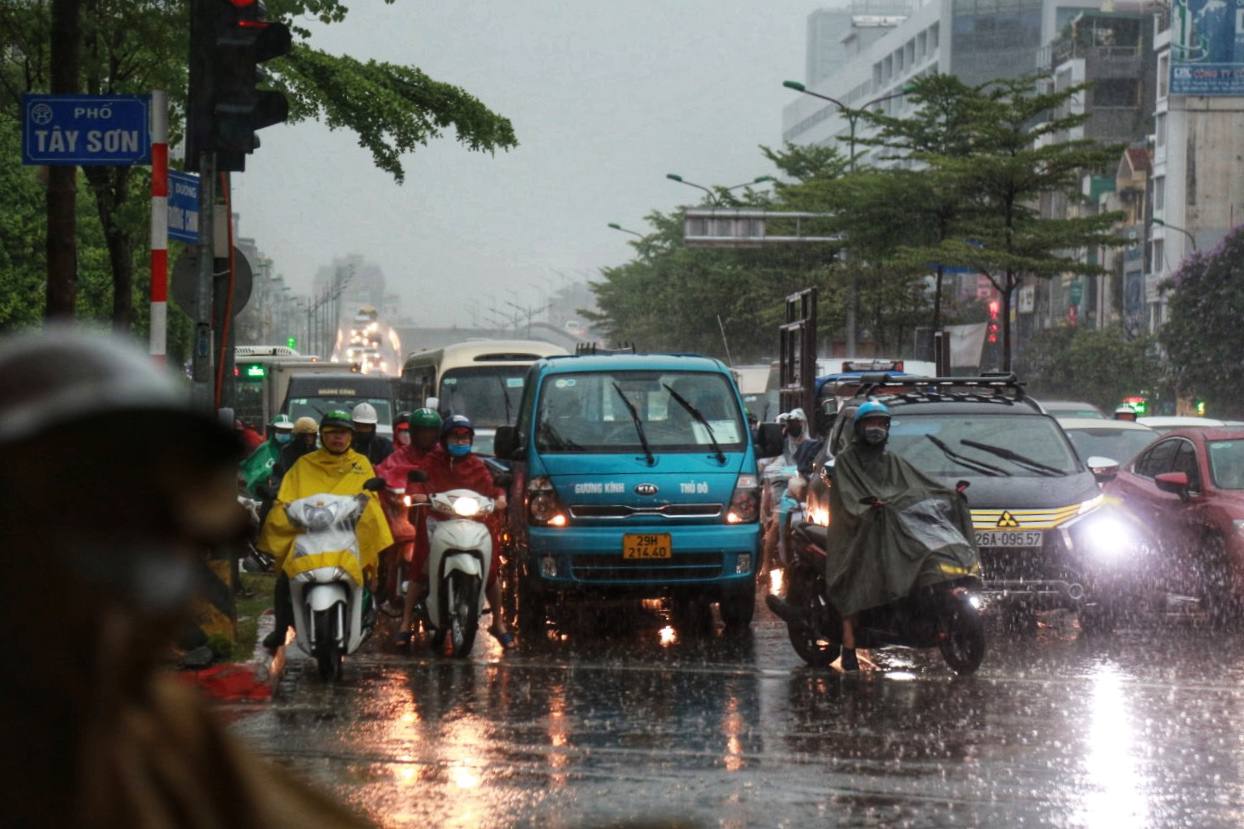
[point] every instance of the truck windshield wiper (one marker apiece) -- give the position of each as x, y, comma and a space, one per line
505, 395
698, 415
639, 426
1003, 452
975, 466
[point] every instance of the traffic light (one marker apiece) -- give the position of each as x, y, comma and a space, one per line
991, 330
228, 41
292, 342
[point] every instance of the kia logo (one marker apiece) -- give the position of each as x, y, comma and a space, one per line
646, 489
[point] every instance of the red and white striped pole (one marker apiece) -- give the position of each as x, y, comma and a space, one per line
159, 225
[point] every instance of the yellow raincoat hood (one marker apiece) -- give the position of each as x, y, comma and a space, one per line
323, 472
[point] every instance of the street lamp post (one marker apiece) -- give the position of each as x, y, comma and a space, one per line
713, 196
619, 227
1191, 238
852, 115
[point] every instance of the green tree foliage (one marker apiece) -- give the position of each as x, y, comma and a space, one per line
133, 46
1100, 365
1203, 336
1018, 152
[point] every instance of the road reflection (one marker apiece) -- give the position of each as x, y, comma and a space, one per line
1118, 789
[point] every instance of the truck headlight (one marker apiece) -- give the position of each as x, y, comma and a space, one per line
745, 502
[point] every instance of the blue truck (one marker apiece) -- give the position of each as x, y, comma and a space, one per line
634, 475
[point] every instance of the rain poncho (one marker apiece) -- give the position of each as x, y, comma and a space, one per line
259, 465
923, 535
321, 472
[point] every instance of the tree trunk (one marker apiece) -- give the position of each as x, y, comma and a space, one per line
62, 228
111, 187
1008, 288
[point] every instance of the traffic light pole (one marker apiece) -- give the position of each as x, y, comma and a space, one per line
203, 386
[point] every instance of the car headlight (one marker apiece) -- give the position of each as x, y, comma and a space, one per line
1107, 539
1091, 504
466, 507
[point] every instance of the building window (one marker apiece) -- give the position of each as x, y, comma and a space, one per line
1159, 193
922, 45
1159, 256
898, 61
911, 52
1164, 74
1159, 129
933, 37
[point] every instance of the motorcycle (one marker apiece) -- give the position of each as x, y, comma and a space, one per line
460, 553
945, 615
332, 609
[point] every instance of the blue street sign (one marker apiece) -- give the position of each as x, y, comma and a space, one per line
92, 130
183, 207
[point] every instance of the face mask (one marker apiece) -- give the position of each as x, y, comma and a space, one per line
876, 435
794, 430
459, 450
283, 437
363, 439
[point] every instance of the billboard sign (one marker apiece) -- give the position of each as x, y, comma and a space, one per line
1207, 47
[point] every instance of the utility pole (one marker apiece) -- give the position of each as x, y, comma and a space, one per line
62, 227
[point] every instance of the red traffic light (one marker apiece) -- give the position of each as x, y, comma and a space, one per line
994, 309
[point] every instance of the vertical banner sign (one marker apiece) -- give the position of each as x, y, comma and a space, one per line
1207, 47
183, 207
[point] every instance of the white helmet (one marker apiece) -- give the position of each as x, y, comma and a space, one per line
365, 413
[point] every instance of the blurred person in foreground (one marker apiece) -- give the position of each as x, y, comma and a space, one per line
104, 545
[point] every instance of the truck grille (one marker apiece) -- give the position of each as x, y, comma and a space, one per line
686, 567
622, 511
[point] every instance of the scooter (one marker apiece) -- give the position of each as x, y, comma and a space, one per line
945, 615
460, 553
332, 613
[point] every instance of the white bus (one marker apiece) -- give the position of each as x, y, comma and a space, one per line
482, 379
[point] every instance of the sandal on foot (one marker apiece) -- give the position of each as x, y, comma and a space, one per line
503, 636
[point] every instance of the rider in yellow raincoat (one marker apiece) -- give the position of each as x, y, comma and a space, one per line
333, 469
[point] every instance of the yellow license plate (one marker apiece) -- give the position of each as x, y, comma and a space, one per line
646, 546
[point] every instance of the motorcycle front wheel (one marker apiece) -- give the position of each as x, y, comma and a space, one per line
963, 636
813, 648
327, 653
459, 622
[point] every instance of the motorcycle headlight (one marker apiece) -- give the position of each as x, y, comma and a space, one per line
466, 507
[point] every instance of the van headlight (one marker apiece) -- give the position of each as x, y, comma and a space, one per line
745, 502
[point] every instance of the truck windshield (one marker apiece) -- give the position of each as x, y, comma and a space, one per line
584, 413
1036, 439
488, 395
317, 407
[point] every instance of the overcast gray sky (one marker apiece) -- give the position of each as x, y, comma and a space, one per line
606, 98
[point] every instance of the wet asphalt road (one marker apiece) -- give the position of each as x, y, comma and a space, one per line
633, 723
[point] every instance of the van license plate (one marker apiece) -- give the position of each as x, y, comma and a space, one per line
643, 546
1002, 538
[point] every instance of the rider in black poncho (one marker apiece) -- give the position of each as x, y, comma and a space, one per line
892, 528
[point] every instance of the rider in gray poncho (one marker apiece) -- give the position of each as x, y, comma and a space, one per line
892, 528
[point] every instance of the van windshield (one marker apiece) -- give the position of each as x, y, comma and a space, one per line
1036, 441
588, 412
489, 395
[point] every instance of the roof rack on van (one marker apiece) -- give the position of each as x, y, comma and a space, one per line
986, 388
592, 349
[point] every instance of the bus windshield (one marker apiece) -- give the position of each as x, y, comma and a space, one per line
489, 395
317, 407
589, 412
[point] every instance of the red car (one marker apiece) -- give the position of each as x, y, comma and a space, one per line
1189, 487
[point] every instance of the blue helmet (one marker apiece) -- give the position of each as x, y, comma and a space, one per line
452, 424
871, 408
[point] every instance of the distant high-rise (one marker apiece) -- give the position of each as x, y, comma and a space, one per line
835, 34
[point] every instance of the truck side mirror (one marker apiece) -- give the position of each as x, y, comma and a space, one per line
769, 440
505, 442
